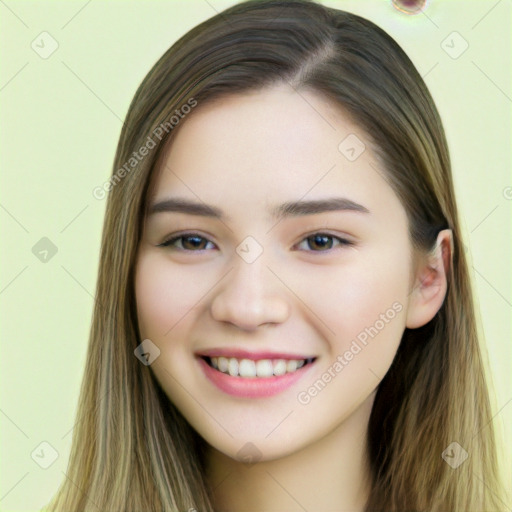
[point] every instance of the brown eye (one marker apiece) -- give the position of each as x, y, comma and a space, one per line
323, 242
320, 242
187, 242
193, 242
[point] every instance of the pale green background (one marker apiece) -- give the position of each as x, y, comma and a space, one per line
61, 118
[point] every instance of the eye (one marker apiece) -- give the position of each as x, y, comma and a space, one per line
323, 242
194, 242
187, 242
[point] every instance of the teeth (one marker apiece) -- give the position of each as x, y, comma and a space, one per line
222, 363
233, 367
248, 368
264, 368
279, 367
291, 365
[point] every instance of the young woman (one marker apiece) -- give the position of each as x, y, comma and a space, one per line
284, 317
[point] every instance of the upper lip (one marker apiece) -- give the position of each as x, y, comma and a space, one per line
249, 354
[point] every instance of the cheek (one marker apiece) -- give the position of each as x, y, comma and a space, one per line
363, 310
350, 297
369, 298
164, 295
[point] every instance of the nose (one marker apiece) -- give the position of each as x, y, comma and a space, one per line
250, 296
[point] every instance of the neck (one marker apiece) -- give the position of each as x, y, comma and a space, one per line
328, 475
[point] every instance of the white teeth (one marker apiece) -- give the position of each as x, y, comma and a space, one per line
279, 367
222, 364
233, 367
264, 368
249, 368
291, 365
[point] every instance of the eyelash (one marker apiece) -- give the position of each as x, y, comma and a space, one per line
168, 243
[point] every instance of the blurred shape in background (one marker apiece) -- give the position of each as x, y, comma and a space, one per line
410, 6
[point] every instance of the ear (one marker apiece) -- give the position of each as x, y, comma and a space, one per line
430, 282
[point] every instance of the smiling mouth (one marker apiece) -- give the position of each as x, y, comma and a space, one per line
256, 369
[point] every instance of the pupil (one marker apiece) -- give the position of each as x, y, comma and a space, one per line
322, 241
194, 241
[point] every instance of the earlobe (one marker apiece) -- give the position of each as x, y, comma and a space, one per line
431, 282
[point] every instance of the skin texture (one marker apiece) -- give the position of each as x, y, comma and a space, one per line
246, 154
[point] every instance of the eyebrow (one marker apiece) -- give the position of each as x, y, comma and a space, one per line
288, 209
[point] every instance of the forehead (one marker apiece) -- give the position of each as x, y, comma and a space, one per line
270, 146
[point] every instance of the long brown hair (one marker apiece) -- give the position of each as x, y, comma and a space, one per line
132, 450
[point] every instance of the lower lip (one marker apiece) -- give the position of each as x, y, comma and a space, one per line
256, 387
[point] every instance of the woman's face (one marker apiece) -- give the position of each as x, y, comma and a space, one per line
277, 253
